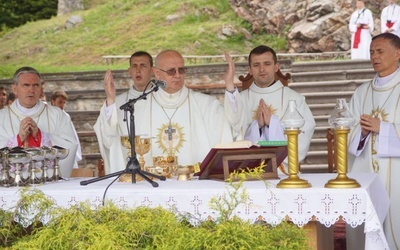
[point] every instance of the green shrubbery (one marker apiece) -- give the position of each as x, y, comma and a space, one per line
109, 227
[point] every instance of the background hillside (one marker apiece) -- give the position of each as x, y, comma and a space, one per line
110, 27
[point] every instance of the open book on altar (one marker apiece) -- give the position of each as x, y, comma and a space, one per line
225, 158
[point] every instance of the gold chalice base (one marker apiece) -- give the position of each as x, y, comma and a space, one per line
128, 178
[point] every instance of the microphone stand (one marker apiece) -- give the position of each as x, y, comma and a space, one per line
133, 166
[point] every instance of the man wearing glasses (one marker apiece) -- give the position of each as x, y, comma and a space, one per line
183, 124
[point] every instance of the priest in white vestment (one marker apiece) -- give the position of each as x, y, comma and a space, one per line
28, 122
374, 143
255, 113
390, 18
179, 121
361, 26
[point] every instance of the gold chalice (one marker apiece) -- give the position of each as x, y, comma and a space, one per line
142, 146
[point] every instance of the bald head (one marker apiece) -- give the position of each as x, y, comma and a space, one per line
170, 67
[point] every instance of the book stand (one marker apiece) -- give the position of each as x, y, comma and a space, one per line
219, 163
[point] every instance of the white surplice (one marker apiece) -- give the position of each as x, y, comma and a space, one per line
391, 13
198, 123
241, 111
56, 128
381, 152
363, 16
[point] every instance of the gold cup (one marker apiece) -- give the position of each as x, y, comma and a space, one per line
142, 146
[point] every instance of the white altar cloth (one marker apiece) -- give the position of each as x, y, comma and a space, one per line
367, 204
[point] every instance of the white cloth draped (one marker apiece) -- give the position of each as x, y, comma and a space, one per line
383, 101
198, 118
51, 121
367, 205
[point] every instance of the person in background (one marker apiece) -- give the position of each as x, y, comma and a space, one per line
361, 26
28, 122
390, 18
59, 99
374, 143
110, 124
10, 98
255, 113
3, 97
183, 123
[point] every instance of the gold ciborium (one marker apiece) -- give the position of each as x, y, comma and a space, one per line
341, 120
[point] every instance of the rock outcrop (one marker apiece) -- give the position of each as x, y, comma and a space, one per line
308, 25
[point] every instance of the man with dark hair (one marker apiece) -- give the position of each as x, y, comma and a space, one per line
3, 97
255, 113
375, 140
110, 124
59, 99
10, 98
28, 122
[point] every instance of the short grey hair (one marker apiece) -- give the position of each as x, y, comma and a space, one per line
26, 70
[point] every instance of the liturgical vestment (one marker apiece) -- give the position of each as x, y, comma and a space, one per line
55, 126
241, 111
381, 151
186, 124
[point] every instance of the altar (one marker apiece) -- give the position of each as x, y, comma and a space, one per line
368, 204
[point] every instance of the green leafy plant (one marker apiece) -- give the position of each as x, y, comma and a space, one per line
109, 227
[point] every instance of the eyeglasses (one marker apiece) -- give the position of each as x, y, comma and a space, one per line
172, 72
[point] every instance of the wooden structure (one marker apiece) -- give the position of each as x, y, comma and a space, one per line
248, 79
330, 137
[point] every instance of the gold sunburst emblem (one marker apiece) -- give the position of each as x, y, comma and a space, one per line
170, 138
273, 111
379, 113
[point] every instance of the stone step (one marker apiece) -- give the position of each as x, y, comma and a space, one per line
327, 97
330, 65
333, 75
332, 86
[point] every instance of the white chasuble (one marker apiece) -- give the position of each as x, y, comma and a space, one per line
55, 125
187, 124
381, 151
244, 121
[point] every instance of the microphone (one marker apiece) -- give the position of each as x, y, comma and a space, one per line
159, 83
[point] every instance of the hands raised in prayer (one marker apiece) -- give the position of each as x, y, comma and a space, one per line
109, 87
369, 124
28, 126
263, 114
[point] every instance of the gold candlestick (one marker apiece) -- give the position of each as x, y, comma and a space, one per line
293, 181
292, 121
341, 181
341, 120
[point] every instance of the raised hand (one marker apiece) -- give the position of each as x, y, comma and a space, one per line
109, 87
230, 73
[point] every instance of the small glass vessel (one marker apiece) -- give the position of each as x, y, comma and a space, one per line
341, 116
292, 119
